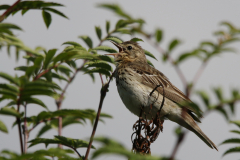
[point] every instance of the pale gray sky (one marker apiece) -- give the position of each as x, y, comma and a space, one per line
191, 21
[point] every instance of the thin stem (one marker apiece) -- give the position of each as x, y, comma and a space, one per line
45, 71
176, 147
26, 134
199, 72
77, 152
8, 10
59, 101
19, 130
103, 95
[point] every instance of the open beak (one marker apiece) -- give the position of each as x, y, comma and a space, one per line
120, 50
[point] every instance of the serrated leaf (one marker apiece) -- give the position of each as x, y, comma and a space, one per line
99, 64
150, 63
107, 26
8, 94
9, 112
3, 127
136, 40
205, 98
115, 8
72, 43
174, 43
75, 143
115, 39
235, 131
232, 150
158, 35
99, 70
149, 54
87, 40
232, 140
236, 123
47, 18
35, 101
98, 32
219, 93
56, 12
9, 87
223, 111
106, 49
41, 84
49, 58
9, 78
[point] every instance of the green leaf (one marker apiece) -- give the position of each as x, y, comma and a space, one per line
64, 69
158, 35
9, 87
150, 63
87, 40
173, 44
49, 58
232, 150
41, 84
57, 76
123, 23
99, 64
223, 111
136, 39
187, 55
9, 94
9, 78
107, 26
115, 39
9, 112
43, 140
219, 93
21, 68
3, 127
116, 9
56, 12
205, 98
232, 140
99, 70
229, 25
9, 26
236, 123
149, 54
235, 131
106, 49
75, 143
35, 101
47, 18
98, 32
75, 44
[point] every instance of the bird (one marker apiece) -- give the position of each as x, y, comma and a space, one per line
136, 79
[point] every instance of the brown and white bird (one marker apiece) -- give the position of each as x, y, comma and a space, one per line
135, 81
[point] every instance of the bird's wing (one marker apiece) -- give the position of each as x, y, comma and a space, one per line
152, 77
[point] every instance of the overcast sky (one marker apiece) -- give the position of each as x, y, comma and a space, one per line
190, 21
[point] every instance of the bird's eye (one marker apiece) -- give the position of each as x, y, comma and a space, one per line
129, 47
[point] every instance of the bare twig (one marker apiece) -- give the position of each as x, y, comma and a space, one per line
8, 10
45, 71
103, 94
199, 72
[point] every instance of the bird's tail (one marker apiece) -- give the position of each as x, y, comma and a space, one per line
188, 122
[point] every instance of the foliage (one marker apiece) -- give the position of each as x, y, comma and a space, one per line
40, 76
233, 140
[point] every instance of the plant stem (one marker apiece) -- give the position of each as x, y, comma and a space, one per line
19, 129
26, 134
103, 95
8, 10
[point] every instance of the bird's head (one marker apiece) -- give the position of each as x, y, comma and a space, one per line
129, 52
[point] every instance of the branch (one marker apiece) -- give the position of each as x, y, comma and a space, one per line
103, 94
45, 71
26, 133
2, 17
19, 129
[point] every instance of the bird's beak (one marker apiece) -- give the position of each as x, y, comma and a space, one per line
119, 47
